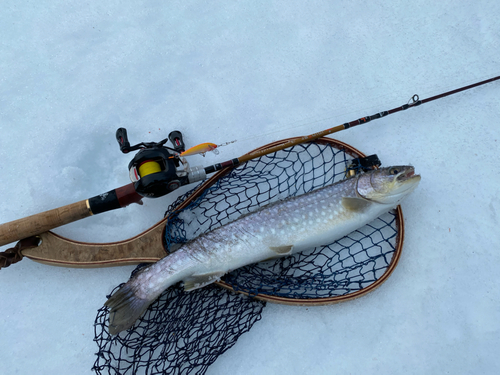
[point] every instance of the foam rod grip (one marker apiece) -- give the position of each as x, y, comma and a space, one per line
32, 225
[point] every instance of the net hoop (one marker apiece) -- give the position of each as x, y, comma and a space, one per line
396, 254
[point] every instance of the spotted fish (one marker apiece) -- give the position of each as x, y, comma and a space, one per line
316, 218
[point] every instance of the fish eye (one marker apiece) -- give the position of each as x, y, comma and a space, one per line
394, 171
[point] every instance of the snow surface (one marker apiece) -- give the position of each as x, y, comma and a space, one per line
72, 72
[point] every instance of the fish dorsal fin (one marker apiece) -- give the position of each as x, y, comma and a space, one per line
200, 280
282, 250
355, 204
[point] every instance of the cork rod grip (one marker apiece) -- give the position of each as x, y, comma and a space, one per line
42, 222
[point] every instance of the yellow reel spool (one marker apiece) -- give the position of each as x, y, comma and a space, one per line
149, 167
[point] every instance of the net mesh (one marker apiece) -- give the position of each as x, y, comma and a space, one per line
180, 333
184, 332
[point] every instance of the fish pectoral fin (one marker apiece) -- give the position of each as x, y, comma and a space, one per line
200, 280
355, 204
282, 250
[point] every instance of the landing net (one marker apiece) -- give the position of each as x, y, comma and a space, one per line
184, 332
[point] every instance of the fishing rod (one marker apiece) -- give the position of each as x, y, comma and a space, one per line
157, 170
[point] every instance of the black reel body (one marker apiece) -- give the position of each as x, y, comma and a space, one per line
157, 170
154, 172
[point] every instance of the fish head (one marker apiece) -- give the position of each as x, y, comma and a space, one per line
388, 185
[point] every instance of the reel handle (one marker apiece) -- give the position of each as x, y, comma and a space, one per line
176, 139
121, 137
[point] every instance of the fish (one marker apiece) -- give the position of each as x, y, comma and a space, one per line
279, 229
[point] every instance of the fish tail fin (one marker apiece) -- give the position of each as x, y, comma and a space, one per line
125, 308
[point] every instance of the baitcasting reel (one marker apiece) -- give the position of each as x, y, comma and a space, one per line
157, 170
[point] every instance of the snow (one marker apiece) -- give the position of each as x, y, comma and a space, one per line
73, 72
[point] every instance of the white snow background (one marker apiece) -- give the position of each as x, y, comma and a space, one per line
72, 72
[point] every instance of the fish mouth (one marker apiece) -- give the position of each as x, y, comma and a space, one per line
408, 174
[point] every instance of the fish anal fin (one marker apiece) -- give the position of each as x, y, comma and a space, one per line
200, 280
282, 250
355, 204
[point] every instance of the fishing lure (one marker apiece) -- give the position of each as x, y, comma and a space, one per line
202, 149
